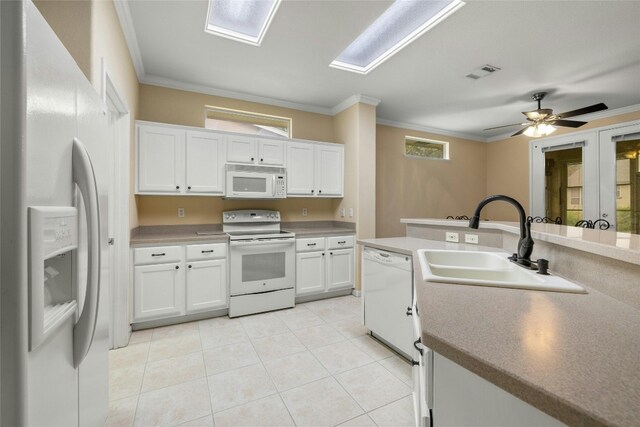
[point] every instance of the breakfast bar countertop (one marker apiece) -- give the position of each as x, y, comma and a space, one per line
574, 356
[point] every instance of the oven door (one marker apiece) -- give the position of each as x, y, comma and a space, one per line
261, 265
250, 185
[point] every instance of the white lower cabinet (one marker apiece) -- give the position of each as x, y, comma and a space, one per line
323, 264
159, 291
164, 289
206, 285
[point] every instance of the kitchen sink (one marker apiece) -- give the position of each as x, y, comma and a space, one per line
487, 269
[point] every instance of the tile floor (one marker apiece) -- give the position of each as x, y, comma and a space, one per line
313, 365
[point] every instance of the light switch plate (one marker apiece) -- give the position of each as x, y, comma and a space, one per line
452, 237
471, 238
342, 213
350, 212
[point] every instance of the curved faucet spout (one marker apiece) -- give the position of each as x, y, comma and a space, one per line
525, 245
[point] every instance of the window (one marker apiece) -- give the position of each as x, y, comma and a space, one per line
426, 148
574, 192
229, 120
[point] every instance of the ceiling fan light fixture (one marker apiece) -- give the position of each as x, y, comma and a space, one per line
245, 21
538, 130
402, 23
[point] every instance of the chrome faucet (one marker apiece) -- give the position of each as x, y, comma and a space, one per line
525, 244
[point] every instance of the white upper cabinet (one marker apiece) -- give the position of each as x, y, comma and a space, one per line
330, 170
315, 169
241, 149
205, 154
300, 169
271, 152
160, 156
255, 151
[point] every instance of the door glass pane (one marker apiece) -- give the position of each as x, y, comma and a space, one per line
563, 185
249, 185
263, 266
628, 186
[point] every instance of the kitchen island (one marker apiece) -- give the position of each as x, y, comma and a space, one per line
575, 357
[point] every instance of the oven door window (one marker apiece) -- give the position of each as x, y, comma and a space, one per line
260, 267
243, 184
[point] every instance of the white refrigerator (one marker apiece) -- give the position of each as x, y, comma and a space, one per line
54, 314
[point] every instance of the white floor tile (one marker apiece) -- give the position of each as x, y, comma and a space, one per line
372, 347
351, 327
278, 346
174, 370
396, 414
140, 336
372, 386
400, 368
295, 370
318, 336
263, 325
266, 412
179, 345
174, 405
340, 357
122, 412
320, 403
200, 422
361, 421
129, 356
180, 329
299, 317
228, 357
214, 336
243, 385
125, 382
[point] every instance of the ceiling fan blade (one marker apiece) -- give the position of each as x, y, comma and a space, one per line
506, 126
581, 111
520, 132
566, 123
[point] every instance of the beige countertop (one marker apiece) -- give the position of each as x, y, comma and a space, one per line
610, 244
176, 234
573, 356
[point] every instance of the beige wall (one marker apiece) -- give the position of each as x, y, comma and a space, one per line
158, 104
508, 167
90, 30
417, 188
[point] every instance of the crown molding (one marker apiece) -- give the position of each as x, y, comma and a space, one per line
428, 129
209, 90
126, 23
586, 117
353, 100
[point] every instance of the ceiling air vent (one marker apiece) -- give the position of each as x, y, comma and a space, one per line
483, 71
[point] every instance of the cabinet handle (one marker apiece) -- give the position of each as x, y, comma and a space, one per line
162, 254
311, 191
177, 187
414, 363
319, 191
415, 345
322, 253
262, 160
311, 244
189, 265
409, 311
177, 267
252, 159
342, 243
330, 253
207, 252
189, 188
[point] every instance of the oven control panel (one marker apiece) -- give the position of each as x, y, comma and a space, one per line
258, 215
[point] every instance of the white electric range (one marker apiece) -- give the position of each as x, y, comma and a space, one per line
262, 262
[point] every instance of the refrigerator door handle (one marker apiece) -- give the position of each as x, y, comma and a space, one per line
84, 177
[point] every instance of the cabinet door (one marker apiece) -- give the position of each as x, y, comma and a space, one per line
270, 152
340, 269
158, 291
206, 285
300, 169
241, 149
205, 153
160, 153
330, 170
310, 272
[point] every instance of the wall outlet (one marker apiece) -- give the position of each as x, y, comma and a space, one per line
304, 212
342, 213
350, 212
180, 212
471, 238
452, 237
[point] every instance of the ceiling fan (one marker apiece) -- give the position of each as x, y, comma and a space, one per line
542, 122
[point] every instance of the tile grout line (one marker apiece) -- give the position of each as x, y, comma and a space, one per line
206, 377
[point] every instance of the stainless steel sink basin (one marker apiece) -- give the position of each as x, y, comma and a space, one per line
486, 269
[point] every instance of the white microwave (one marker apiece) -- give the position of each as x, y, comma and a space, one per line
255, 182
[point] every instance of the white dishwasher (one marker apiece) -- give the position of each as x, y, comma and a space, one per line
387, 281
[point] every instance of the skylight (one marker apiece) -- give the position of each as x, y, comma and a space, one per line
403, 22
243, 20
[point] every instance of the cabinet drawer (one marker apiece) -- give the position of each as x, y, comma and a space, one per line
208, 251
338, 242
157, 255
306, 245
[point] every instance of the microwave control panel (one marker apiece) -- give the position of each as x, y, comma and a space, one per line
281, 188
